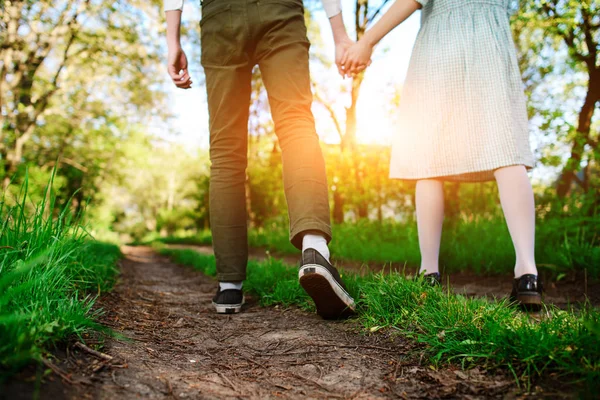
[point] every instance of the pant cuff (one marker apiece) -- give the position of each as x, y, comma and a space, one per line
231, 277
298, 230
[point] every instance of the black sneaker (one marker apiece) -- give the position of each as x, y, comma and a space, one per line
323, 284
228, 301
527, 292
434, 279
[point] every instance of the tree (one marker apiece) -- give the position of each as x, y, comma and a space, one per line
561, 39
55, 58
163, 189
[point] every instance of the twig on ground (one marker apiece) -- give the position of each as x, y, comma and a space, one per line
93, 352
145, 298
169, 388
252, 361
295, 353
214, 382
395, 374
224, 378
356, 394
325, 388
353, 346
264, 333
320, 371
98, 367
58, 371
282, 386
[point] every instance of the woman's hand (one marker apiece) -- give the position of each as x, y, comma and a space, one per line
357, 58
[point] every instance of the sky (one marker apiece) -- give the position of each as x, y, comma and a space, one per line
374, 117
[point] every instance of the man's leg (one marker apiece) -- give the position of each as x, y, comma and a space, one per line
282, 54
228, 76
228, 103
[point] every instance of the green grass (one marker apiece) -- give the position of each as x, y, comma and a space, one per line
478, 244
455, 329
202, 238
50, 273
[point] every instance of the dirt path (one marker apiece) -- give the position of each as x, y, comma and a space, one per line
178, 348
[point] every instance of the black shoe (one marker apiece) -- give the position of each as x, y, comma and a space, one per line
323, 284
527, 292
434, 279
228, 301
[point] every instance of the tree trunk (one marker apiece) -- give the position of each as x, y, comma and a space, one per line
452, 201
380, 199
349, 143
349, 140
338, 207
573, 165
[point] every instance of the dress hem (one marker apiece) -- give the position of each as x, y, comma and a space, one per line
468, 176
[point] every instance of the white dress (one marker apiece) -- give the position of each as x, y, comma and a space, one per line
462, 111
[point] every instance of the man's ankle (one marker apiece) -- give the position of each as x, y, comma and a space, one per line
231, 285
317, 241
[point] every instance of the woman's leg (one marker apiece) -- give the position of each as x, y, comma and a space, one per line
516, 196
430, 218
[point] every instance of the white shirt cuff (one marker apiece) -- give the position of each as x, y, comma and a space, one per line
173, 5
332, 7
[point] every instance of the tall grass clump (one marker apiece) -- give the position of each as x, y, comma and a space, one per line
477, 331
50, 273
455, 329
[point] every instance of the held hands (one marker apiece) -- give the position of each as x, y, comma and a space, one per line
352, 58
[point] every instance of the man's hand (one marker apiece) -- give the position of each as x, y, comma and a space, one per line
178, 68
177, 61
340, 51
357, 58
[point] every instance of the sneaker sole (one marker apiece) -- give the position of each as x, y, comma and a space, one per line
531, 301
228, 308
331, 299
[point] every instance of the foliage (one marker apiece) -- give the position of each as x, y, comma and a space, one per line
163, 191
76, 77
47, 264
559, 43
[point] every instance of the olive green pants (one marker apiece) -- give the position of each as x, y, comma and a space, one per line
236, 35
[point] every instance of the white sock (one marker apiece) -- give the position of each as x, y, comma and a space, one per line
430, 218
230, 285
516, 196
316, 241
